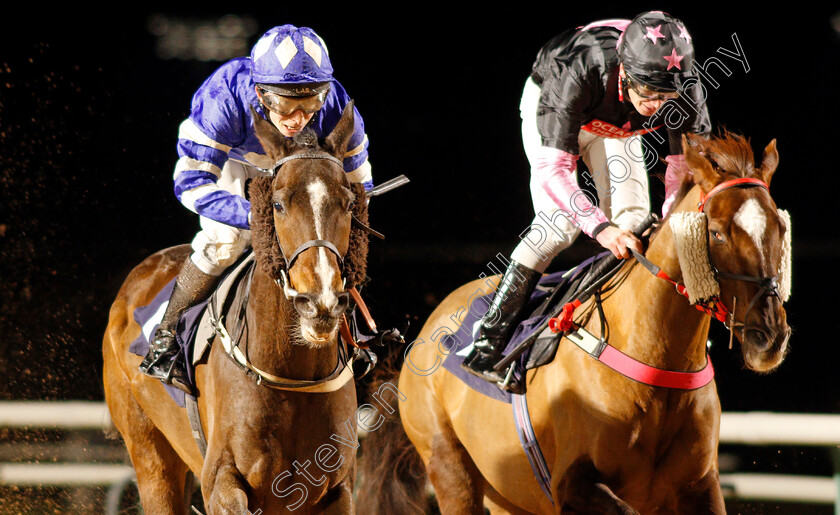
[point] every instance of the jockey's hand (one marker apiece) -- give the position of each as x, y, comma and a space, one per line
618, 241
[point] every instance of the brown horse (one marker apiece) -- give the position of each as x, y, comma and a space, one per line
611, 444
268, 445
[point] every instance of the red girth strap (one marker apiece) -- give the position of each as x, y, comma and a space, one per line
637, 370
627, 366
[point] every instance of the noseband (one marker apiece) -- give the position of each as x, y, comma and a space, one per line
283, 281
767, 286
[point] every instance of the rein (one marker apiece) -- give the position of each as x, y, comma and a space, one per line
713, 307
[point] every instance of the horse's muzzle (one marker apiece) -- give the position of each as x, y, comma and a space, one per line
764, 349
311, 306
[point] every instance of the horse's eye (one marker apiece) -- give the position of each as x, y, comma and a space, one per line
278, 207
351, 205
717, 237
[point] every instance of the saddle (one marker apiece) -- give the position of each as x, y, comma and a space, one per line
224, 311
532, 344
548, 318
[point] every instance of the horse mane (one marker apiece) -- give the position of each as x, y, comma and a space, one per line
730, 153
264, 237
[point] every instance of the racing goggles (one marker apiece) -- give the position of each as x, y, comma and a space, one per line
651, 94
286, 105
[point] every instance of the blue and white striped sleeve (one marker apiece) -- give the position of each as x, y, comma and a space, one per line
356, 162
199, 166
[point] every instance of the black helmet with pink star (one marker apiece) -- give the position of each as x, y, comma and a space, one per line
656, 51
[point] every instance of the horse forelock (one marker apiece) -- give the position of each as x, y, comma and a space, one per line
732, 154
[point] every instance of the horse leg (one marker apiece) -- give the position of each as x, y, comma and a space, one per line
583, 491
705, 496
161, 474
458, 484
224, 488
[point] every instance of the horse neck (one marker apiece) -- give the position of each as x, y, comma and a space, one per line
650, 321
274, 343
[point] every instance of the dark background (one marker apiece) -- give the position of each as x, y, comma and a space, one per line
89, 114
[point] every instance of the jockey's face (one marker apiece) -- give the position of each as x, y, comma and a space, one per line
645, 100
289, 114
645, 106
291, 124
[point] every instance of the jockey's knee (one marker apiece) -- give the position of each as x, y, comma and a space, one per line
213, 256
540, 244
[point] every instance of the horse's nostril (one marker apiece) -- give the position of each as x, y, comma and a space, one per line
306, 306
342, 304
758, 338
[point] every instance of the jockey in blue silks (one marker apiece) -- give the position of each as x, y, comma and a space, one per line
288, 79
592, 92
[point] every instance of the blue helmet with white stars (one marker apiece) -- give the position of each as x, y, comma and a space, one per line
291, 61
656, 51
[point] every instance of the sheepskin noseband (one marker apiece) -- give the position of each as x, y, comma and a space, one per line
785, 267
689, 230
690, 238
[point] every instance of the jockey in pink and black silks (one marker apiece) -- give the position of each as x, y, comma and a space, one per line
592, 93
287, 79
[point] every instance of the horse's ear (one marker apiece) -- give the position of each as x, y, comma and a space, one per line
769, 162
704, 173
336, 142
276, 145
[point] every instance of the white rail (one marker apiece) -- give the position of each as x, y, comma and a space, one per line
55, 414
766, 428
64, 474
779, 487
750, 428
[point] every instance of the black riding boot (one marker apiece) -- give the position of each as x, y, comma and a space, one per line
501, 320
191, 287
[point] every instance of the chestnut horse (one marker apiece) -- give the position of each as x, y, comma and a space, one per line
261, 437
611, 444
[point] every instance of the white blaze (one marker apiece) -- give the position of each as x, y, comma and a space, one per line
751, 218
318, 197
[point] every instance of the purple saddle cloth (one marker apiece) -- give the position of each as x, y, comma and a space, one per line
148, 317
459, 342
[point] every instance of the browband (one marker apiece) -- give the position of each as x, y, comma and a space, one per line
311, 155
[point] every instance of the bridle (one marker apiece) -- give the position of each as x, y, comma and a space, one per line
343, 371
767, 285
283, 281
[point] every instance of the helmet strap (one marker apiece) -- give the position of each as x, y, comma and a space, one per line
622, 87
622, 83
